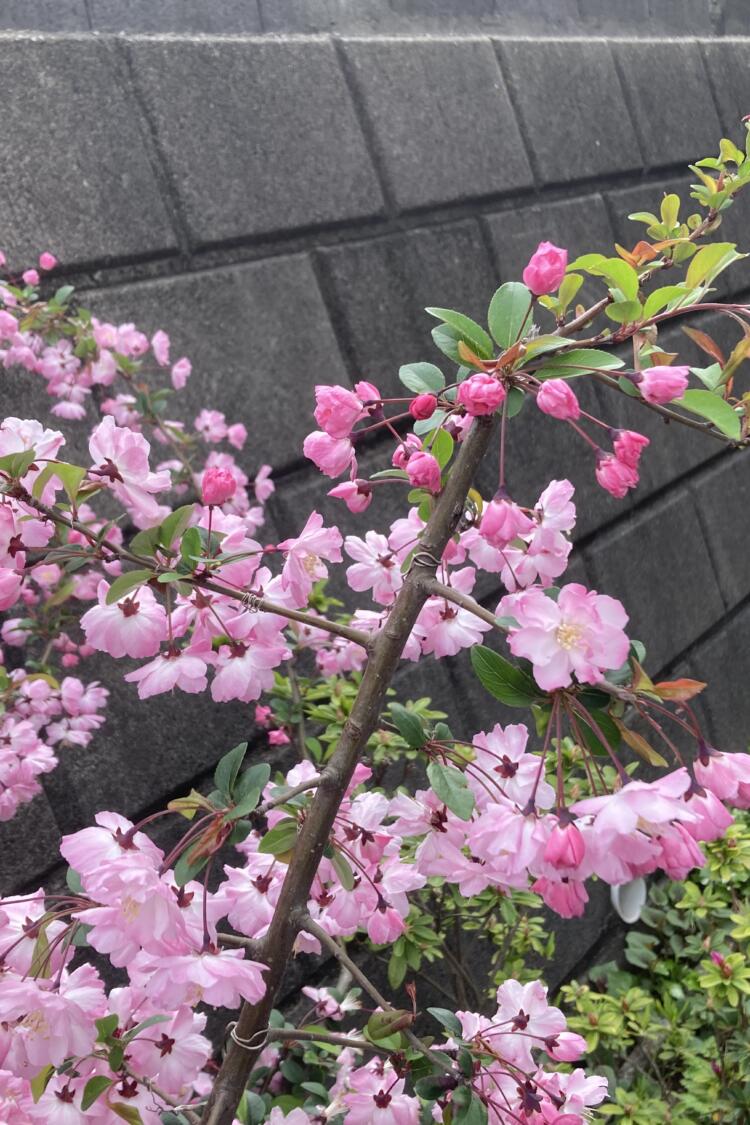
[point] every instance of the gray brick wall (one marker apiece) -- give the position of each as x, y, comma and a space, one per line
285, 204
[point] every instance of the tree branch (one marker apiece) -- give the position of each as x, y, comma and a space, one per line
437, 589
381, 665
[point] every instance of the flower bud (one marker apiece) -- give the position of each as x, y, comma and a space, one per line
423, 406
480, 394
424, 471
565, 846
662, 384
557, 399
47, 261
546, 269
218, 486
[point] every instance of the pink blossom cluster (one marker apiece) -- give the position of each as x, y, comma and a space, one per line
39, 714
520, 836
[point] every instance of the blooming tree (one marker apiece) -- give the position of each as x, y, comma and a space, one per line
150, 551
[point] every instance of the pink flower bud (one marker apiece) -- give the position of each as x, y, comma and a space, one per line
480, 394
337, 410
424, 471
556, 398
331, 455
410, 444
262, 714
628, 446
160, 345
356, 494
368, 392
502, 522
662, 384
614, 476
423, 406
3, 259
546, 269
218, 486
30, 277
565, 846
47, 261
278, 738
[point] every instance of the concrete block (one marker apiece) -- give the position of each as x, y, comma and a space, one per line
379, 288
263, 139
43, 15
726, 63
193, 16
721, 497
657, 563
723, 663
443, 126
258, 338
28, 845
571, 108
671, 100
79, 182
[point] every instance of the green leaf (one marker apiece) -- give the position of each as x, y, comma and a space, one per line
468, 1108
245, 806
124, 583
228, 768
128, 1113
434, 1086
442, 448
139, 1027
16, 464
175, 524
621, 277
70, 476
670, 211
714, 408
422, 378
105, 1027
382, 1025
509, 315
281, 838
257, 777
514, 401
504, 680
447, 340
185, 870
587, 262
343, 870
709, 262
39, 1082
449, 784
660, 298
94, 1088
449, 1021
191, 546
578, 361
467, 329
624, 312
145, 542
606, 725
409, 726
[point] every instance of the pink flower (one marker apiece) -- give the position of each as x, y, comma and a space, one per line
263, 486
30, 277
424, 472
356, 494
221, 979
10, 587
724, 775
181, 372
218, 486
555, 397
628, 446
337, 410
160, 346
662, 384
480, 394
375, 567
581, 634
503, 521
47, 261
546, 269
211, 425
614, 475
423, 406
403, 451
132, 626
237, 435
331, 455
184, 669
120, 457
304, 564
565, 847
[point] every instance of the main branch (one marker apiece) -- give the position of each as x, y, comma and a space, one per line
335, 778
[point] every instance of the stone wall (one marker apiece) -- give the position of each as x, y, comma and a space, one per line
286, 205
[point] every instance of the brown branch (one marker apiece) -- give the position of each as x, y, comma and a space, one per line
381, 665
293, 1033
438, 589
